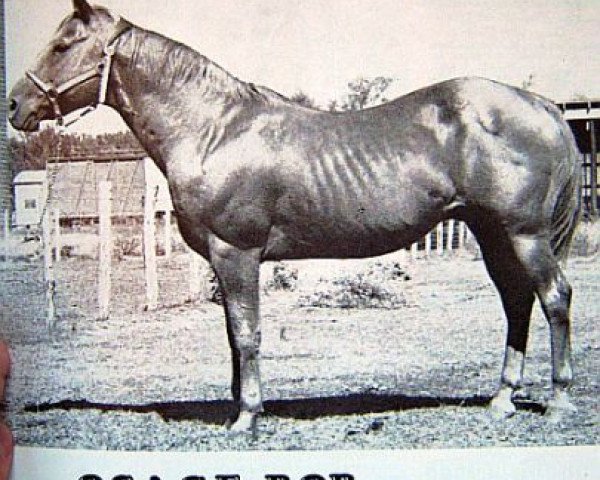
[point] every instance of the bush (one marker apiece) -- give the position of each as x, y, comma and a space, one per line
127, 246
362, 290
214, 293
387, 271
284, 278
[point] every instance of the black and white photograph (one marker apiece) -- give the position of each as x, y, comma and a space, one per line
360, 230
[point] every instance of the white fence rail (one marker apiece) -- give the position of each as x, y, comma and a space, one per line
445, 238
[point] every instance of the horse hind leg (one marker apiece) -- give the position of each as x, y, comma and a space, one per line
517, 295
517, 306
554, 293
533, 265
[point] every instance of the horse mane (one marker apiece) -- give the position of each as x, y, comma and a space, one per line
167, 64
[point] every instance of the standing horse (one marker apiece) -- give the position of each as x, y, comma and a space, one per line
254, 177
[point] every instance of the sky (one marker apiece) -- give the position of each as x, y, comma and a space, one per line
318, 46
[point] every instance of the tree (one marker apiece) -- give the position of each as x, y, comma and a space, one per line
363, 93
303, 99
580, 97
527, 84
31, 151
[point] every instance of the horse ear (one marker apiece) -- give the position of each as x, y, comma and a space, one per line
83, 9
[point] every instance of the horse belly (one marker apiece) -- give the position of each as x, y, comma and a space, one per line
350, 225
285, 245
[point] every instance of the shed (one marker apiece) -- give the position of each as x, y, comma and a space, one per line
583, 117
74, 184
31, 190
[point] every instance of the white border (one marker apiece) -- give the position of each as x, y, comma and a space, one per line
544, 463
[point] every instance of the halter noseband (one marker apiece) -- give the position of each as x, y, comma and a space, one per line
102, 70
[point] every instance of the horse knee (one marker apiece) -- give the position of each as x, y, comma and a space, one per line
248, 346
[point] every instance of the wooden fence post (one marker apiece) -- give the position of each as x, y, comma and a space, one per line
414, 249
6, 235
593, 171
168, 234
450, 237
150, 265
49, 277
439, 238
105, 251
428, 244
57, 240
461, 235
195, 278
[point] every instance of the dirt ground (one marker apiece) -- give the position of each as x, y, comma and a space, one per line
415, 376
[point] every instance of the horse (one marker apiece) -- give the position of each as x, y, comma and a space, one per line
254, 177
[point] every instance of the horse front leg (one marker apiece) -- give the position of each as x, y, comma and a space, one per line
238, 274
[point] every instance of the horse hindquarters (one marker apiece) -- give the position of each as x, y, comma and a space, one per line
524, 266
522, 184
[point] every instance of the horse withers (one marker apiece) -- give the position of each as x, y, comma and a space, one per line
254, 177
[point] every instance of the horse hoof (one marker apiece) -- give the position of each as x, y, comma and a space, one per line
245, 423
557, 410
502, 408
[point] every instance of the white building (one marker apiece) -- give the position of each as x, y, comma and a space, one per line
31, 191
72, 184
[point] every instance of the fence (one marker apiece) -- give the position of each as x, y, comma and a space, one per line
447, 237
5, 234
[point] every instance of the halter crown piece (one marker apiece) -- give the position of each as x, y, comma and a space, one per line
102, 70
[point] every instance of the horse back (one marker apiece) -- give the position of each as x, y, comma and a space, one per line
304, 183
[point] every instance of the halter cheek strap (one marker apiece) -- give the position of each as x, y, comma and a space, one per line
102, 70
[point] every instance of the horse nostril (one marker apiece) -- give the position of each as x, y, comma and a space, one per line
13, 104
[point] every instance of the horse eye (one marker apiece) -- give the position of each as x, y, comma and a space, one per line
61, 47
64, 44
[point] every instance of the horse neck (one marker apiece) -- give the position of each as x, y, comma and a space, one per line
166, 92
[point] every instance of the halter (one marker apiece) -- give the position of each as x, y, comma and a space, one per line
102, 70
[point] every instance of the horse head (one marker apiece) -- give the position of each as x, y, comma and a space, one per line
71, 72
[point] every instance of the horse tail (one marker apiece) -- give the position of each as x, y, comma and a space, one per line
566, 205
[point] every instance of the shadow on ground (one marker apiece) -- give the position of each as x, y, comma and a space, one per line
220, 411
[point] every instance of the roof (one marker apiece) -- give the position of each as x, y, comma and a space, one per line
103, 156
75, 186
580, 109
577, 104
30, 176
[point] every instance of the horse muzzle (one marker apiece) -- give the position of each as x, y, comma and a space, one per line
26, 110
